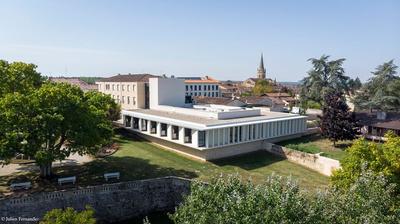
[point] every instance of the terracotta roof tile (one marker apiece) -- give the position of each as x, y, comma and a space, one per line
129, 78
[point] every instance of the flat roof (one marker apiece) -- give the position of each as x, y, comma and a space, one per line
210, 123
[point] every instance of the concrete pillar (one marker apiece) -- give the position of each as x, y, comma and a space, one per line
148, 126
181, 135
211, 138
169, 131
158, 129
195, 138
207, 139
243, 133
140, 124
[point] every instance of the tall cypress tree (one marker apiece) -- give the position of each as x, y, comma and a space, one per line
337, 122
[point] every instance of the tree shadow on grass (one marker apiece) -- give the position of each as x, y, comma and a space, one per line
250, 161
302, 140
91, 173
343, 146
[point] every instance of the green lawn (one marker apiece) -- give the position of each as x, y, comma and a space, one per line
317, 143
139, 159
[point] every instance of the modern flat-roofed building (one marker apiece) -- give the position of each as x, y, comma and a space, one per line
201, 86
207, 131
130, 90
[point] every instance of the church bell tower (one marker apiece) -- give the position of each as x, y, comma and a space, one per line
261, 69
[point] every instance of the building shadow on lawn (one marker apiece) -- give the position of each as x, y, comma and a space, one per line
91, 173
250, 161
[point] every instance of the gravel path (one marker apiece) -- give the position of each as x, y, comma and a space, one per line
74, 159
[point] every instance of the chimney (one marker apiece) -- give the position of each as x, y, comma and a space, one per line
381, 115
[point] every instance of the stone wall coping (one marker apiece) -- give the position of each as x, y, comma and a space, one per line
54, 195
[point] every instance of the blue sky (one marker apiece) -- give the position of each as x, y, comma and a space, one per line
219, 38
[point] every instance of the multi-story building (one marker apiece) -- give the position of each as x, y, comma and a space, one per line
131, 90
210, 131
201, 86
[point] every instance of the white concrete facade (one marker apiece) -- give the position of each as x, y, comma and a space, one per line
207, 127
204, 137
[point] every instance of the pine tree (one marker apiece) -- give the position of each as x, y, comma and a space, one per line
337, 122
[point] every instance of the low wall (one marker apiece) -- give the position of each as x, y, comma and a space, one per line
111, 202
315, 162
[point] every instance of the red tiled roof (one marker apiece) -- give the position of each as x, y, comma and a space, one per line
128, 78
392, 120
74, 81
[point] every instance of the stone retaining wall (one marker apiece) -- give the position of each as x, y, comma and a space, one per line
315, 162
111, 202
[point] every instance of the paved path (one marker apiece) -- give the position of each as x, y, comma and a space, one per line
74, 159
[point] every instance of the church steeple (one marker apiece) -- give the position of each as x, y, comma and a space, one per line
261, 69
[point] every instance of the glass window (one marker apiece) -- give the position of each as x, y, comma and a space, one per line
175, 132
153, 127
164, 128
202, 138
188, 135
135, 123
240, 133
144, 125
231, 135
236, 134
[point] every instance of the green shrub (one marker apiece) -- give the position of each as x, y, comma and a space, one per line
69, 216
279, 200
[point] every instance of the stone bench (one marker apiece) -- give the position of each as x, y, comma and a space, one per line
67, 180
22, 185
108, 176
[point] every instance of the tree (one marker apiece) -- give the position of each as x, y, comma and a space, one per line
337, 123
354, 85
51, 123
105, 103
69, 216
324, 75
18, 77
381, 91
370, 199
232, 200
381, 159
262, 87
